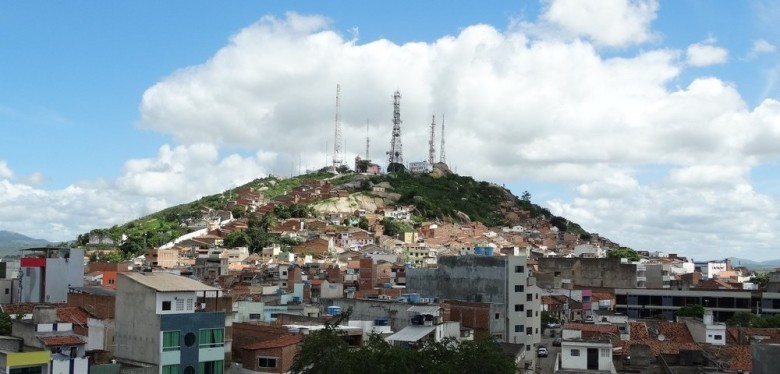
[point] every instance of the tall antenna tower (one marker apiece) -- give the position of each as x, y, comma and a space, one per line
368, 141
431, 147
338, 156
396, 150
442, 155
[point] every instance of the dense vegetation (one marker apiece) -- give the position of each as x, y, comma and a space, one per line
326, 351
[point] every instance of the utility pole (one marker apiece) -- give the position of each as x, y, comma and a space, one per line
338, 156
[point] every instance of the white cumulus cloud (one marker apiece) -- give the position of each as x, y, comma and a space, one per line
612, 23
706, 53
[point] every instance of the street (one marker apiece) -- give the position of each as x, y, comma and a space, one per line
545, 365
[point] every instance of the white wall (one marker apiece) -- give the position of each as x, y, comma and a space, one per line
189, 299
580, 362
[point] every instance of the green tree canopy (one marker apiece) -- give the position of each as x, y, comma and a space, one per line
761, 279
693, 310
624, 252
326, 351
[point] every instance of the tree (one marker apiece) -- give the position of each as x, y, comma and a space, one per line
547, 318
363, 223
6, 323
113, 256
743, 319
326, 351
343, 169
692, 310
236, 239
624, 252
526, 196
559, 222
238, 211
761, 279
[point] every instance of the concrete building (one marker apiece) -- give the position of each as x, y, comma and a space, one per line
505, 281
580, 356
706, 330
46, 274
163, 258
158, 323
709, 269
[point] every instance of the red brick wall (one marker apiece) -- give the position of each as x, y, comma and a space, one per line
473, 315
102, 307
245, 334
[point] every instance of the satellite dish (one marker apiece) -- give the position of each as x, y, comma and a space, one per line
661, 337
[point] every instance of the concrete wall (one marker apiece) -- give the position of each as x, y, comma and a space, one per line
137, 324
580, 362
466, 278
766, 358
589, 272
9, 290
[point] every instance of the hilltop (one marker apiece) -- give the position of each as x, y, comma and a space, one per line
439, 196
11, 242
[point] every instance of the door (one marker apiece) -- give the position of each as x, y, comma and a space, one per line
593, 358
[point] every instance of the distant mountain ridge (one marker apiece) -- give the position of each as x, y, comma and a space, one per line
736, 261
10, 242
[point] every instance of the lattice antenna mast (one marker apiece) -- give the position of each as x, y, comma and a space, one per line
368, 140
431, 146
442, 155
396, 149
338, 156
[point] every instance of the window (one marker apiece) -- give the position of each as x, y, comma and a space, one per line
189, 339
529, 297
527, 347
170, 369
519, 268
7, 291
718, 337
166, 305
529, 313
255, 316
575, 352
605, 353
519, 328
190, 304
519, 307
211, 367
498, 315
171, 340
179, 305
210, 338
537, 296
266, 362
519, 288
529, 330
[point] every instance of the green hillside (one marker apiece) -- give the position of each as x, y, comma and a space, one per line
11, 242
440, 196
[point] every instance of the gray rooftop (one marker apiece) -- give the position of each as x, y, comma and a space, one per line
166, 282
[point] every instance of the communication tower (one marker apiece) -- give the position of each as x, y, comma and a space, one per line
338, 156
396, 159
431, 146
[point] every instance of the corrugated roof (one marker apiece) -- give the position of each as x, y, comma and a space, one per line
166, 282
432, 310
282, 341
411, 333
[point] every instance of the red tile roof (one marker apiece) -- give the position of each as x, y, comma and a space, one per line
73, 315
675, 337
591, 327
282, 341
61, 340
18, 308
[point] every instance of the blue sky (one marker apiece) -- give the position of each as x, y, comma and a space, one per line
626, 117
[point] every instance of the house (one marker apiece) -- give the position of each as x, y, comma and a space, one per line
269, 356
163, 258
174, 336
15, 359
585, 356
45, 333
